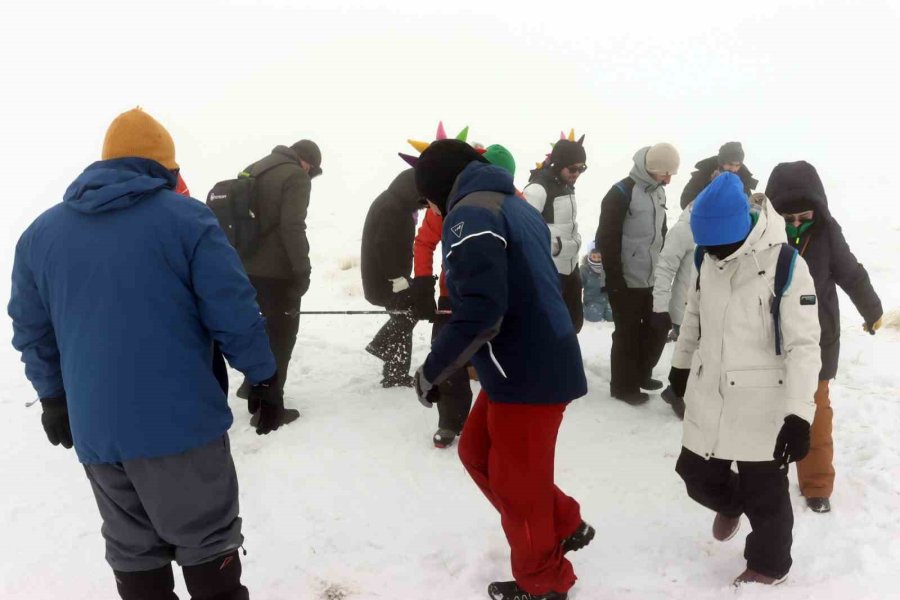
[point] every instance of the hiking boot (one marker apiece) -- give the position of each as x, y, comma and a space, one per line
444, 437
377, 352
819, 505
751, 576
632, 398
393, 381
510, 590
578, 540
725, 528
288, 416
651, 384
674, 401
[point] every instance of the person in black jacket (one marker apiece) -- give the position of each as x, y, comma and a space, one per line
386, 263
279, 266
797, 193
730, 158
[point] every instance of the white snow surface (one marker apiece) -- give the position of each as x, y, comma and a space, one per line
353, 501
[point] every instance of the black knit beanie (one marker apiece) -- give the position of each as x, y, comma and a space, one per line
731, 152
439, 166
566, 154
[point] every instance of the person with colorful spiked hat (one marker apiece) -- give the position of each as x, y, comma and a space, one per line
551, 190
510, 321
456, 391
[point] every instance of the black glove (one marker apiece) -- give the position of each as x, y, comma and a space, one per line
428, 393
678, 379
792, 443
263, 399
55, 420
661, 322
424, 306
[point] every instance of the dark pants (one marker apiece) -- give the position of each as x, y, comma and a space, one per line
394, 342
571, 293
279, 303
636, 345
456, 391
509, 451
182, 507
759, 490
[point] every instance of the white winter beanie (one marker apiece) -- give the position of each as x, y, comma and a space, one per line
663, 159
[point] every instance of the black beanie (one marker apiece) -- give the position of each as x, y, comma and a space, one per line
309, 151
731, 152
439, 166
566, 154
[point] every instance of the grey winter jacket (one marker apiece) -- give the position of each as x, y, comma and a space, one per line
556, 203
282, 190
632, 227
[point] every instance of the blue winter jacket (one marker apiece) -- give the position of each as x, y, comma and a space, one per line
117, 296
509, 317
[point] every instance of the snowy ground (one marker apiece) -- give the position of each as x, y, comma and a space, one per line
354, 502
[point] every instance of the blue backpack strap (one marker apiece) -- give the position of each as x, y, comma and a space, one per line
784, 273
699, 254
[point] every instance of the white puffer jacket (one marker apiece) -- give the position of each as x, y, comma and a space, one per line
562, 219
739, 390
674, 272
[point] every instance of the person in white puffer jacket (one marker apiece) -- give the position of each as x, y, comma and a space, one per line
748, 388
672, 276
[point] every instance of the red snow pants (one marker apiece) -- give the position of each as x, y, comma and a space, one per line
509, 451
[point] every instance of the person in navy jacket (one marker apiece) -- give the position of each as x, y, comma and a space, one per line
510, 321
118, 296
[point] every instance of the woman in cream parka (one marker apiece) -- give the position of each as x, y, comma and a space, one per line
748, 395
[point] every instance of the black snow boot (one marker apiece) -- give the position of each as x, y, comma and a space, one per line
819, 505
672, 399
219, 579
158, 584
510, 590
632, 398
578, 540
651, 384
444, 437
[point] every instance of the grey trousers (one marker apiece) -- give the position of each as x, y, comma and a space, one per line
182, 507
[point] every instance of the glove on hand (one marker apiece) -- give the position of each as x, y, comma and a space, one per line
871, 329
661, 322
424, 307
262, 399
428, 393
678, 379
399, 284
792, 443
55, 420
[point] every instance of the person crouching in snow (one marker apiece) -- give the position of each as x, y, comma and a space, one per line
748, 380
593, 277
386, 263
505, 293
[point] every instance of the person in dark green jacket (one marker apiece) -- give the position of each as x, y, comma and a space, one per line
279, 268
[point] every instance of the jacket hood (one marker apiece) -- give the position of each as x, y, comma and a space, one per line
639, 170
403, 191
116, 184
481, 177
795, 184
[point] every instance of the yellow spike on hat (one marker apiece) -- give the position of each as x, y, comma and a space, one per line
419, 146
572, 135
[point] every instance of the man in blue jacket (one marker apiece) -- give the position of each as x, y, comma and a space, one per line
510, 321
118, 294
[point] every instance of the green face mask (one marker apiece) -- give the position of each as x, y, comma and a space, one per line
795, 233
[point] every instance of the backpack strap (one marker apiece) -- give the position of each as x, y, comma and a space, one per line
699, 255
784, 274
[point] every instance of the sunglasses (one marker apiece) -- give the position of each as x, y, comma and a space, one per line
576, 169
798, 217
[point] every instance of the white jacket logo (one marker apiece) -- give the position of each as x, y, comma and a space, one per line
458, 229
214, 197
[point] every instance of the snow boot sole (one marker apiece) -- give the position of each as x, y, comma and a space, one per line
583, 536
510, 590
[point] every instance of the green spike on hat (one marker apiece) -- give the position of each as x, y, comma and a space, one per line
463, 135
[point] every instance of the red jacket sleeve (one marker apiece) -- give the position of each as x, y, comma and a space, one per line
427, 239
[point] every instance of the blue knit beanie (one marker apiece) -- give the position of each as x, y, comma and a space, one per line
721, 213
